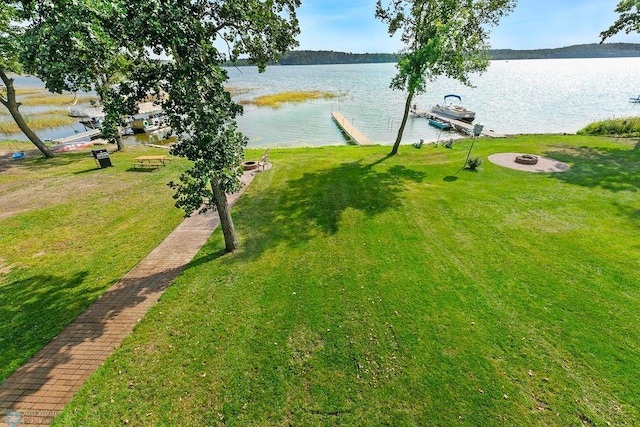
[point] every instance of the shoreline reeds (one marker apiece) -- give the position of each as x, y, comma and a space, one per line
37, 121
623, 127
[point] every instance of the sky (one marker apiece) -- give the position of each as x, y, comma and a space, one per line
351, 26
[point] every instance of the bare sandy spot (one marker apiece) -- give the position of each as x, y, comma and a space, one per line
25, 188
545, 164
4, 267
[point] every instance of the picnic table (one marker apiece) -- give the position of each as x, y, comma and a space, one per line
150, 161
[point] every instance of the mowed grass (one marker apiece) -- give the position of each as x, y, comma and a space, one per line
69, 231
400, 291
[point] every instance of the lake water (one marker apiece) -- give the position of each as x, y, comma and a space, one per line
525, 96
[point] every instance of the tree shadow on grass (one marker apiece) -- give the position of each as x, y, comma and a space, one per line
60, 159
26, 308
613, 169
629, 211
314, 204
37, 162
83, 345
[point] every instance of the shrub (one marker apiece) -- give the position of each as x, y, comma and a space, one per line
624, 127
474, 163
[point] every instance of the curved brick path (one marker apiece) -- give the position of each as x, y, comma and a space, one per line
37, 392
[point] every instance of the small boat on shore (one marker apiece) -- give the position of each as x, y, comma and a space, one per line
440, 124
91, 117
454, 110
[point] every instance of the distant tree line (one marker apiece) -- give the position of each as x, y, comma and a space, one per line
322, 57
595, 50
311, 57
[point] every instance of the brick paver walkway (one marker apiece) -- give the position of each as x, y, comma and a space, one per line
37, 392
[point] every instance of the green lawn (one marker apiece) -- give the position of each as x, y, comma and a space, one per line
70, 231
399, 291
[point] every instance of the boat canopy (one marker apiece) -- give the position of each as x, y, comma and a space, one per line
84, 113
453, 96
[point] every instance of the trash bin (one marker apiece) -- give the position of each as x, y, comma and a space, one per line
102, 158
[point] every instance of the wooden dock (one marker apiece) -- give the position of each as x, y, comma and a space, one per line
457, 125
354, 134
77, 136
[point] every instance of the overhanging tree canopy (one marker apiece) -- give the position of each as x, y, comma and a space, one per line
12, 17
76, 46
441, 38
628, 21
173, 47
199, 108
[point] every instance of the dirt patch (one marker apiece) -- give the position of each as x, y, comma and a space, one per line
544, 164
4, 267
24, 188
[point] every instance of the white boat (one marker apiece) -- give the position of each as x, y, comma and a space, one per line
150, 117
148, 123
91, 117
454, 110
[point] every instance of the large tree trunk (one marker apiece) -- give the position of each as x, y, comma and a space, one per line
230, 238
14, 108
407, 107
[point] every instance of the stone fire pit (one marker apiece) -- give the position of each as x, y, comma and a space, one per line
542, 163
526, 159
250, 165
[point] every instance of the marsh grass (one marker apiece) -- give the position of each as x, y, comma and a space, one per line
23, 91
37, 121
376, 290
26, 91
56, 99
47, 116
276, 100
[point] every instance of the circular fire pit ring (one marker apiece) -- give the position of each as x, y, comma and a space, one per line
526, 159
250, 165
545, 164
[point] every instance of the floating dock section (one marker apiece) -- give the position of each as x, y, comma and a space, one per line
457, 125
354, 134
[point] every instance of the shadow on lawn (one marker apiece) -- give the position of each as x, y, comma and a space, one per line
314, 204
80, 347
37, 162
26, 308
613, 169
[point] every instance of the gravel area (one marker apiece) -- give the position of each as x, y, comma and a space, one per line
545, 164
